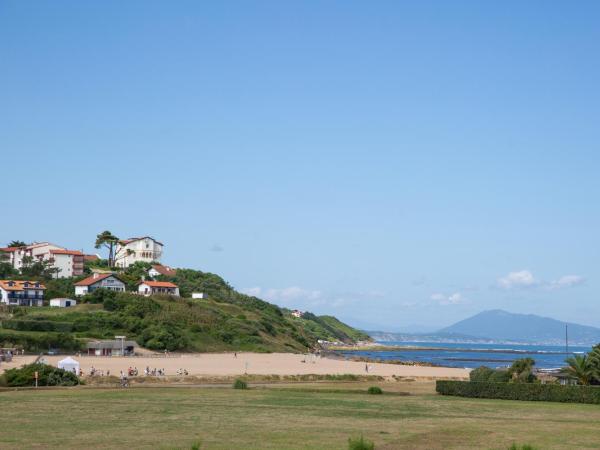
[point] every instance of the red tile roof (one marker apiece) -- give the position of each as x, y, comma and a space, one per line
91, 257
19, 285
10, 249
165, 284
66, 252
164, 270
93, 279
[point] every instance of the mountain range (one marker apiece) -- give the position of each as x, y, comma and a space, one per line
502, 326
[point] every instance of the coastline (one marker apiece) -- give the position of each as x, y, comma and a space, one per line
227, 364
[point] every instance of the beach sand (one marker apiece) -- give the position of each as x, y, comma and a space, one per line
225, 364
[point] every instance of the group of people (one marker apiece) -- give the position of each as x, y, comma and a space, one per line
182, 372
154, 372
95, 372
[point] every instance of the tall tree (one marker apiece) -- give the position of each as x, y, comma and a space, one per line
111, 242
17, 244
521, 370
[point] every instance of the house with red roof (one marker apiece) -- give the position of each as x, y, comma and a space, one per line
157, 287
99, 281
159, 269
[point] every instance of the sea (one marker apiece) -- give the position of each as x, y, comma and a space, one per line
472, 355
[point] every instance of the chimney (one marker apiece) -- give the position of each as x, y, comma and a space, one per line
96, 274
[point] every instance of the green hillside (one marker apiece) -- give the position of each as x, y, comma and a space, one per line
225, 320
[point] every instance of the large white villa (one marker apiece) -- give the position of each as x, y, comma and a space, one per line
144, 249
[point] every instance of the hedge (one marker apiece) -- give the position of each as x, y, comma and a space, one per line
38, 325
520, 391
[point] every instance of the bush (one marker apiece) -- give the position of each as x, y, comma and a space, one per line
360, 444
500, 376
481, 373
520, 391
521, 447
47, 376
240, 384
375, 390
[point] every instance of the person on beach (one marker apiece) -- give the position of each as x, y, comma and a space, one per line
367, 368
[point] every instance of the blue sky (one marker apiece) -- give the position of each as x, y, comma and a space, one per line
400, 165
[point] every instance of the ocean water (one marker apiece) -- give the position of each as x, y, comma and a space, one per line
473, 355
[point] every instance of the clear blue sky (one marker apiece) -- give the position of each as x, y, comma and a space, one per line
397, 164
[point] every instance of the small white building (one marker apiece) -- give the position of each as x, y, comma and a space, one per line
158, 287
99, 281
297, 313
62, 302
130, 251
197, 294
21, 293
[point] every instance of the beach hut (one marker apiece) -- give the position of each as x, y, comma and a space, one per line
69, 364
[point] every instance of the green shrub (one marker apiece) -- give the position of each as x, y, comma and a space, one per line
360, 444
240, 384
521, 447
520, 391
481, 373
47, 376
375, 390
500, 376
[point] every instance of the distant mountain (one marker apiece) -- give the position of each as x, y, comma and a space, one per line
500, 325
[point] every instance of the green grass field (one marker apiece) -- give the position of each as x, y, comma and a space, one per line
300, 416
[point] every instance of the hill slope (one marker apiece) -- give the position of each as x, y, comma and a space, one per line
502, 325
226, 320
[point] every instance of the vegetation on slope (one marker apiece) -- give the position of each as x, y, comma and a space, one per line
225, 320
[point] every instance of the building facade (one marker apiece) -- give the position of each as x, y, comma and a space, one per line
69, 262
158, 287
145, 249
99, 281
159, 269
21, 293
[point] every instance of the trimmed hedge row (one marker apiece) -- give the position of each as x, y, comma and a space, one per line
520, 391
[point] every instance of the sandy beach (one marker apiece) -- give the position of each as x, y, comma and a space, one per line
226, 364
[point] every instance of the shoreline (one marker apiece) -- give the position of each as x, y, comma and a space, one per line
263, 364
413, 348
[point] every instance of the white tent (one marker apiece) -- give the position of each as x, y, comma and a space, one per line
69, 364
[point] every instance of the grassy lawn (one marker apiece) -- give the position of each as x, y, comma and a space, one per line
302, 416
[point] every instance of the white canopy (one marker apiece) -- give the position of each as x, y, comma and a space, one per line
69, 364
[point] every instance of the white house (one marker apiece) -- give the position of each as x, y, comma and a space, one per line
198, 295
21, 293
62, 302
99, 280
159, 269
69, 262
145, 249
157, 287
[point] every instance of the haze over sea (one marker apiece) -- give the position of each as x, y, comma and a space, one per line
472, 355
